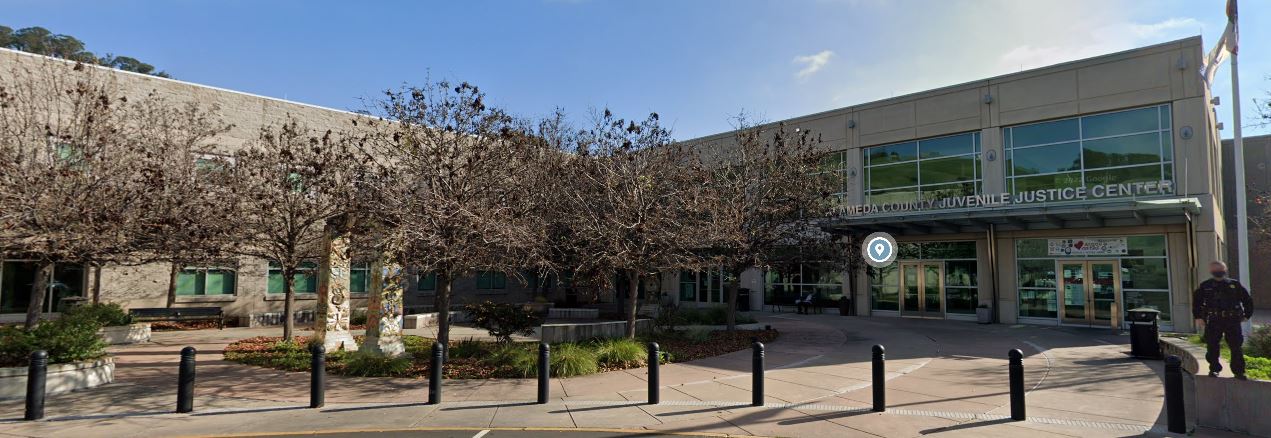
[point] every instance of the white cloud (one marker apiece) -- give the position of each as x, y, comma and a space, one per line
1102, 39
812, 63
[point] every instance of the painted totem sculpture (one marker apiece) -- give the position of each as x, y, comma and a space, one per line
384, 309
331, 325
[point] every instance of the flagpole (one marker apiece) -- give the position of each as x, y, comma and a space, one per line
1242, 203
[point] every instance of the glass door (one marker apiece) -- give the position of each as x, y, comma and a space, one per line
1089, 290
921, 289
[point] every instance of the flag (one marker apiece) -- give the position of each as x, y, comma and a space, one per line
1226, 45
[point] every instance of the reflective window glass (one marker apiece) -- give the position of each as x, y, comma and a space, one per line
1121, 122
892, 153
893, 175
948, 170
946, 146
1147, 273
1046, 159
1043, 133
1122, 151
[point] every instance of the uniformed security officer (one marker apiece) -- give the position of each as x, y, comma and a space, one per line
1219, 306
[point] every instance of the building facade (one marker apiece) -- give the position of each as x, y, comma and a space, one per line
1257, 184
1061, 195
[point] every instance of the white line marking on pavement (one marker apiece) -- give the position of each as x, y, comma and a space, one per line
1049, 364
481, 433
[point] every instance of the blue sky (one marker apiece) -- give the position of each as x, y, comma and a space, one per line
696, 62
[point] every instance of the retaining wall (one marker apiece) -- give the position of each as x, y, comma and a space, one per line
575, 332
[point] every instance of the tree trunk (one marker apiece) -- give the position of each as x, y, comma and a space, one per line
633, 301
442, 305
289, 303
173, 273
734, 283
97, 283
38, 290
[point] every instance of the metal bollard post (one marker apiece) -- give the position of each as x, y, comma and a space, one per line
317, 376
544, 371
435, 373
1175, 414
880, 379
1017, 384
655, 361
36, 378
756, 384
185, 381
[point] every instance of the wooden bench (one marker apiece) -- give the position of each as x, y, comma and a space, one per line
178, 314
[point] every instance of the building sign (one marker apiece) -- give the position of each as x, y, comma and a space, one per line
1066, 194
1087, 246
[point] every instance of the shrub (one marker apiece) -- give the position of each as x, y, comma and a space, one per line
106, 314
714, 315
373, 365
668, 318
514, 359
622, 353
357, 317
570, 360
1259, 342
417, 346
502, 320
71, 338
467, 348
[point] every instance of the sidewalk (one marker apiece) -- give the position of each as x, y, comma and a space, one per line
945, 377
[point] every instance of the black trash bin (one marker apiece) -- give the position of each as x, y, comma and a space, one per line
743, 299
845, 306
1145, 333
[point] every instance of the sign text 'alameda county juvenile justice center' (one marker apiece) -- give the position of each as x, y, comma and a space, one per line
1146, 188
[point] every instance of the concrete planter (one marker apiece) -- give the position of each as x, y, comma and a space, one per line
126, 334
553, 333
573, 313
62, 378
421, 320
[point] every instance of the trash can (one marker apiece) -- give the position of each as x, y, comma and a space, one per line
845, 306
743, 299
1144, 333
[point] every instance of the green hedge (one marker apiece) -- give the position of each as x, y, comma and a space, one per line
71, 338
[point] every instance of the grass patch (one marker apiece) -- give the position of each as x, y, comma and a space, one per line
1256, 367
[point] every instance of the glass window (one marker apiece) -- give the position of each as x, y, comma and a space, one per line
1061, 157
1120, 122
884, 285
1044, 133
926, 169
1145, 245
834, 164
688, 286
891, 154
359, 278
947, 250
205, 281
1031, 248
1111, 148
1145, 273
1037, 303
305, 281
492, 280
426, 282
1037, 273
1152, 299
822, 280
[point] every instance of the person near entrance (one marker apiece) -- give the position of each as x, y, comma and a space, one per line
804, 303
1219, 306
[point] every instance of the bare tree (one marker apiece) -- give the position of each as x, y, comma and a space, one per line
74, 182
634, 203
454, 183
288, 184
767, 191
191, 211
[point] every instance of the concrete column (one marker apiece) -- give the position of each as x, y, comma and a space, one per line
331, 325
384, 309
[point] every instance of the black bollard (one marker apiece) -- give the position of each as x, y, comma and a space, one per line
185, 381
1175, 414
36, 378
434, 373
756, 384
655, 361
544, 371
1017, 384
317, 376
880, 379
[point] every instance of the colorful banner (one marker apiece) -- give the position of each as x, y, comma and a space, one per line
1087, 246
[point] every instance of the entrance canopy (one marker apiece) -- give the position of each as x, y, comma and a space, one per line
1110, 213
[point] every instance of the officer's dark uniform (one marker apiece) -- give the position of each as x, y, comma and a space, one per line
1223, 304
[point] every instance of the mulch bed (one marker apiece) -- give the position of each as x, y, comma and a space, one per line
267, 351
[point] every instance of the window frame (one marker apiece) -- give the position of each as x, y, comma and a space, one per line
977, 167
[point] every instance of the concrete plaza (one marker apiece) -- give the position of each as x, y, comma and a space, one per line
946, 378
